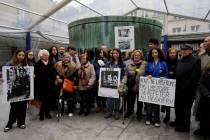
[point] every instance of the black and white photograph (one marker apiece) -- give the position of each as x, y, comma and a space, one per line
124, 33
124, 38
109, 81
18, 83
124, 44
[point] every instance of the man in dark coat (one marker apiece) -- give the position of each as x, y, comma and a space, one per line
203, 113
187, 76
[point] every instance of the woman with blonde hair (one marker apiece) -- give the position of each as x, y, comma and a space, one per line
67, 69
132, 74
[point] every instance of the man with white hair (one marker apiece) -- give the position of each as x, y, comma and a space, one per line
104, 48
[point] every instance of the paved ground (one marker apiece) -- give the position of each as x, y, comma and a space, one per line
90, 127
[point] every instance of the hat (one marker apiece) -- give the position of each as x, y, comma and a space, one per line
186, 47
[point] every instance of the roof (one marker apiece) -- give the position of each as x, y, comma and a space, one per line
51, 17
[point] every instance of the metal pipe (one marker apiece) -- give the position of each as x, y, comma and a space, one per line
131, 11
89, 8
171, 14
166, 6
134, 4
207, 15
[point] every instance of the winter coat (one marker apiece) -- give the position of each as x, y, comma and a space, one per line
44, 79
68, 71
188, 72
157, 70
132, 75
90, 76
204, 87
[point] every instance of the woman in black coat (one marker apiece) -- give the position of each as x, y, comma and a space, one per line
171, 60
45, 75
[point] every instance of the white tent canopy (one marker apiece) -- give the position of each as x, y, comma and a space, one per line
51, 17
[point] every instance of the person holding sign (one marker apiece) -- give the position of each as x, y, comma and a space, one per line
171, 60
18, 109
113, 104
157, 68
131, 80
99, 62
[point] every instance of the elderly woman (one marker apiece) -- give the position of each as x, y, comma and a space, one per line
132, 74
86, 82
67, 69
45, 75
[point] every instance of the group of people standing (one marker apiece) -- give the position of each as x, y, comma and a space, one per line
54, 66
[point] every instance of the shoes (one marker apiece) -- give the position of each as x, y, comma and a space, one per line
199, 132
116, 116
139, 118
48, 116
98, 109
127, 115
157, 124
172, 124
7, 128
182, 129
87, 113
80, 112
70, 114
147, 123
41, 118
22, 126
108, 115
166, 119
103, 109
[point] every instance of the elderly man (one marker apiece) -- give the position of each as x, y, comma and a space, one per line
187, 76
203, 112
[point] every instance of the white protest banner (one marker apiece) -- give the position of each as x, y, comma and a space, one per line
157, 91
109, 80
124, 38
18, 83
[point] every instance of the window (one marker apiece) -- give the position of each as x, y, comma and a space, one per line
176, 30
185, 28
195, 28
192, 28
179, 29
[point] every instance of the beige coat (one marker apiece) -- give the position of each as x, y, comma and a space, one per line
132, 68
91, 76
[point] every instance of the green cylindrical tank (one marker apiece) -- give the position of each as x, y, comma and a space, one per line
92, 32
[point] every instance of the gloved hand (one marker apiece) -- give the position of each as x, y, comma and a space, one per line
101, 63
